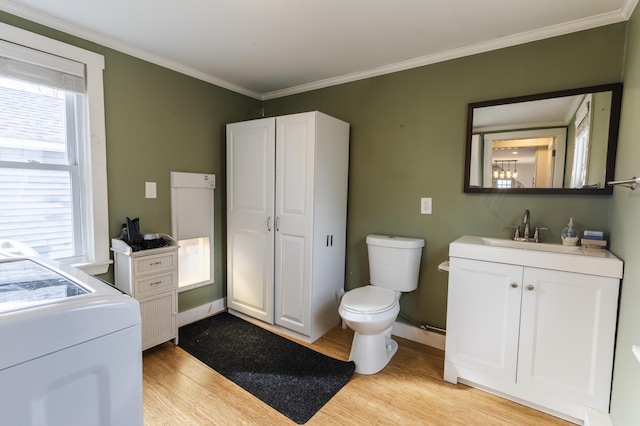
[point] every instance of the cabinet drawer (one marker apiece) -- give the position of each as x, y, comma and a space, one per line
151, 264
155, 283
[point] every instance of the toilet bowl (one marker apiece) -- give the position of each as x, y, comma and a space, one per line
370, 311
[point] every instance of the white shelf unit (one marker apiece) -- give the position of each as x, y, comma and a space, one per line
151, 277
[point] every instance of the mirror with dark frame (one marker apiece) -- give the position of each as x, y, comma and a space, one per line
551, 143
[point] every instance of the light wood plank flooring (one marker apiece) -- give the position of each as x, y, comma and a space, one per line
180, 390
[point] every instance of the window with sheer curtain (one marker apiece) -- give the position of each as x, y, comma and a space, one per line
581, 148
50, 183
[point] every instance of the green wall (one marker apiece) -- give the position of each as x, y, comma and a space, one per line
158, 121
625, 230
408, 140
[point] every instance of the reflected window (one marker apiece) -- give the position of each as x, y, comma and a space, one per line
581, 149
503, 183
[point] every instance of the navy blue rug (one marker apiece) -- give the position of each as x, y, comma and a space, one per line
291, 378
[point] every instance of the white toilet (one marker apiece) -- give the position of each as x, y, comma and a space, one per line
370, 311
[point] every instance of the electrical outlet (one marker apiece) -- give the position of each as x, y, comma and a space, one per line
425, 205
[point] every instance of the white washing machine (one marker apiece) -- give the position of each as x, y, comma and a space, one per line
70, 348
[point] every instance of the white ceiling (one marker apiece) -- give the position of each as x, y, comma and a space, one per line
272, 48
539, 113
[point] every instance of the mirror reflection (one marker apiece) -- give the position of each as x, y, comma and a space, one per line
555, 142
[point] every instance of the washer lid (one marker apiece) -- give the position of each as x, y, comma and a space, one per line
25, 284
369, 300
46, 307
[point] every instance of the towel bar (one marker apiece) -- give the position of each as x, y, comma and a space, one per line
629, 183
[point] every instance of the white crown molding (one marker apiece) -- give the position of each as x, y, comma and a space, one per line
553, 31
77, 31
628, 7
623, 14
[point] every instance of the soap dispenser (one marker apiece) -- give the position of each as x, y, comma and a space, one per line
570, 234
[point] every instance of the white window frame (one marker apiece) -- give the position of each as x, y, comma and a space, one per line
96, 259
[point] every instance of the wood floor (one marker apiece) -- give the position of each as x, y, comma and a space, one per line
180, 390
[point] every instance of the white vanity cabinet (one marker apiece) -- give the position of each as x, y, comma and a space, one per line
286, 220
151, 276
539, 336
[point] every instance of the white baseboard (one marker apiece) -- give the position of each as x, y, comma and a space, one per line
596, 418
202, 311
419, 335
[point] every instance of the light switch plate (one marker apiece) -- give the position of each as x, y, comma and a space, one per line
426, 206
150, 190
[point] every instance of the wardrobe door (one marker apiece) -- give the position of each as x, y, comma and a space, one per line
295, 145
250, 217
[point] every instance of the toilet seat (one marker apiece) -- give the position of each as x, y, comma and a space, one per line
369, 300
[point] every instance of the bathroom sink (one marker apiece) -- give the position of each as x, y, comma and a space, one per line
541, 255
555, 248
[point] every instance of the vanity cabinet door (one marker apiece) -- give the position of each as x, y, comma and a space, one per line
567, 335
483, 317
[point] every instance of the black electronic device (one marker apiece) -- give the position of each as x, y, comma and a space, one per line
137, 241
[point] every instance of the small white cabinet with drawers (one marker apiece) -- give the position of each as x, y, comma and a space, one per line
151, 276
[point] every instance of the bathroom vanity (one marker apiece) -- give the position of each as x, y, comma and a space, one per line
534, 323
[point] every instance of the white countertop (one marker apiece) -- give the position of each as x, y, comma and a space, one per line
539, 255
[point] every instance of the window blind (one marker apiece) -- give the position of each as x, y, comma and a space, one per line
40, 68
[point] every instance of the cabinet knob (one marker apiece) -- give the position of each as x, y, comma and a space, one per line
530, 287
514, 285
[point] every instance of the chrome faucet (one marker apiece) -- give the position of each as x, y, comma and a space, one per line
526, 221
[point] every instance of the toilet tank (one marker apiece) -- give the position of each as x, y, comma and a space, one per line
394, 262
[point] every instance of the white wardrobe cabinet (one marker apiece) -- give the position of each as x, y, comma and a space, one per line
541, 337
286, 220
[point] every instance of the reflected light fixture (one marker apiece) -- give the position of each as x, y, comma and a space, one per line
499, 171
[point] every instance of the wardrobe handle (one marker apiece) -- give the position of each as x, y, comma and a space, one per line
332, 241
269, 224
514, 285
530, 287
278, 223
